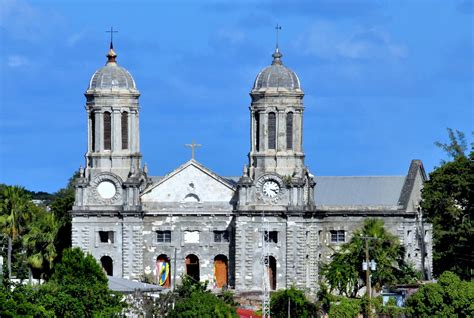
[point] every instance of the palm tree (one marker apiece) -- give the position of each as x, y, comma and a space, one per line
39, 241
345, 274
14, 213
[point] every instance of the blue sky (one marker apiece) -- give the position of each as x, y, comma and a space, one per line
383, 80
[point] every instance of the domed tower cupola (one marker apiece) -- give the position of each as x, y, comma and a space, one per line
276, 76
277, 121
113, 114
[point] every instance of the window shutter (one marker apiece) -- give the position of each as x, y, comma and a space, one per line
124, 130
271, 131
289, 131
107, 131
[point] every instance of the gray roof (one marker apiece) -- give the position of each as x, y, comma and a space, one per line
276, 76
129, 286
112, 76
358, 191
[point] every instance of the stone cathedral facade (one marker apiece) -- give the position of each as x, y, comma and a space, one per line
211, 227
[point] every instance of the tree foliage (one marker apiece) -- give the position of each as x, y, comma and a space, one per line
294, 300
77, 288
449, 297
344, 272
448, 203
194, 300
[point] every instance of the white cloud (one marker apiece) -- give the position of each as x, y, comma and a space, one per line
17, 61
329, 41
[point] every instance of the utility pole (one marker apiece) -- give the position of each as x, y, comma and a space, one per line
367, 267
266, 266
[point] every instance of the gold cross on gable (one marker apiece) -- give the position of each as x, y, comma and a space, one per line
193, 145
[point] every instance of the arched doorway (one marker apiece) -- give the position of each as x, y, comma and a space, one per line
220, 271
107, 265
272, 272
192, 266
163, 271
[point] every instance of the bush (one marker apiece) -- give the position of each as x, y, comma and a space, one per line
299, 305
449, 297
345, 308
195, 301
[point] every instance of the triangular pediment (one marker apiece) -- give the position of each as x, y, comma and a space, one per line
191, 182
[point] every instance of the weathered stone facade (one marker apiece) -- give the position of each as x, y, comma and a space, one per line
198, 222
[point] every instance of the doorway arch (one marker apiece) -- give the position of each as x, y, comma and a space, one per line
163, 271
220, 271
272, 272
107, 265
192, 267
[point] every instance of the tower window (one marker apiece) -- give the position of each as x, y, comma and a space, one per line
338, 236
163, 236
271, 236
92, 118
124, 130
289, 131
221, 236
106, 237
271, 131
107, 131
257, 131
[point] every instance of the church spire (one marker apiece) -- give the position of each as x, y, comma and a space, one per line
111, 55
277, 55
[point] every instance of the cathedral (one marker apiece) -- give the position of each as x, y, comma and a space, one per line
273, 225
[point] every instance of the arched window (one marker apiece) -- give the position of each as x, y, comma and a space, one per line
163, 270
92, 132
220, 271
107, 265
257, 131
107, 131
124, 130
271, 131
289, 130
192, 267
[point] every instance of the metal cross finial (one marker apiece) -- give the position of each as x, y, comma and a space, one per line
277, 28
112, 31
193, 145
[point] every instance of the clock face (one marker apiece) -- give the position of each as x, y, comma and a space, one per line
106, 189
270, 188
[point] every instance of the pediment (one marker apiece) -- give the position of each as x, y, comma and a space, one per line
190, 183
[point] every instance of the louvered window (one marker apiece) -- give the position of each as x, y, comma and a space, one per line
271, 131
289, 131
92, 132
124, 130
107, 131
257, 131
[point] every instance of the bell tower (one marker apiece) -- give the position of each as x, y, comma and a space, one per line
107, 209
276, 174
113, 121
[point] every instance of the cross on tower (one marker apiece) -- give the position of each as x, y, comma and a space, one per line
277, 28
111, 31
193, 145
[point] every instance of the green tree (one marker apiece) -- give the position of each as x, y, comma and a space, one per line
15, 205
78, 288
39, 241
447, 202
16, 302
291, 301
344, 272
193, 300
449, 297
345, 308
